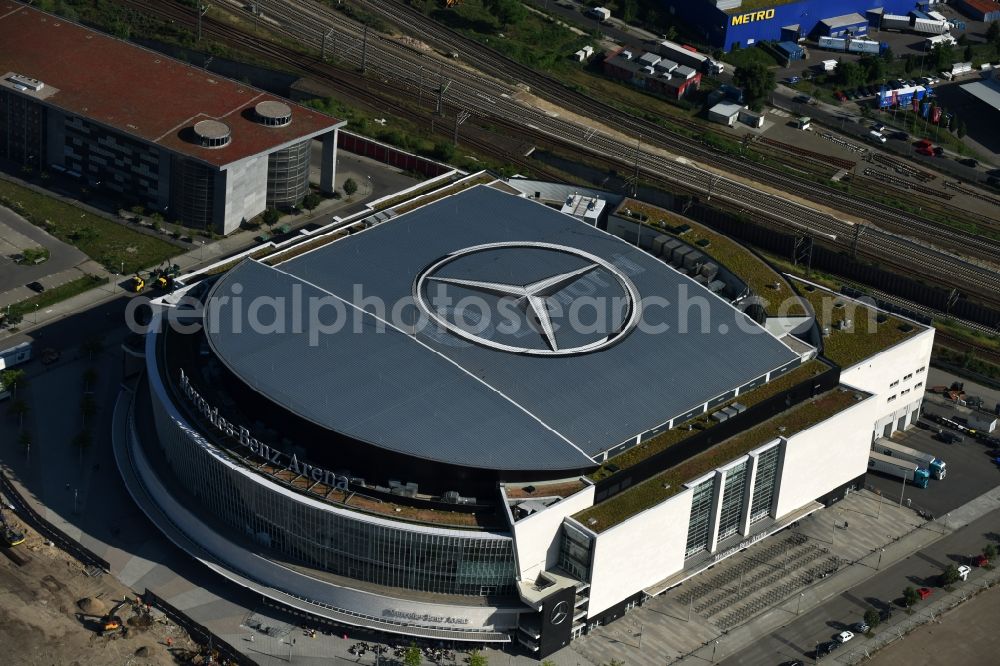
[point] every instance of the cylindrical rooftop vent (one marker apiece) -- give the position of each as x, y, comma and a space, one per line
212, 133
273, 113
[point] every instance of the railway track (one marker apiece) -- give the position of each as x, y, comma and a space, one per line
404, 69
496, 64
956, 343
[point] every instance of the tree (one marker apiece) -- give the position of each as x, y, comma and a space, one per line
91, 347
88, 407
850, 74
20, 409
910, 596
12, 378
942, 56
271, 217
950, 575
967, 54
872, 618
629, 10
993, 32
757, 82
874, 68
350, 187
311, 200
507, 12
89, 377
990, 551
412, 657
477, 658
888, 55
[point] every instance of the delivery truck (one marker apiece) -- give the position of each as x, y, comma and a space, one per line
887, 447
901, 469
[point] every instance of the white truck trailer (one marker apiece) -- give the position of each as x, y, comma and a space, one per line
887, 447
901, 469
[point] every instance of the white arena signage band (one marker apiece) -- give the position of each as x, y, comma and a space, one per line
421, 617
743, 544
258, 448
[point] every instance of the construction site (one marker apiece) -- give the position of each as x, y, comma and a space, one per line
58, 611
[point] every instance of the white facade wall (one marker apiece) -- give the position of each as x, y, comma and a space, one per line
639, 552
244, 192
895, 378
825, 456
537, 537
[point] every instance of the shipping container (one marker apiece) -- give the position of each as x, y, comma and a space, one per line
895, 22
863, 46
930, 26
833, 43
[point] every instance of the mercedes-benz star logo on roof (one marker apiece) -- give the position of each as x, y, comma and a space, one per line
533, 295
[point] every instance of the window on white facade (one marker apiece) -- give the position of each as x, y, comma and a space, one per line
895, 383
890, 398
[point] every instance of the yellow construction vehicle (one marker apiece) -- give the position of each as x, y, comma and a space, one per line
138, 284
112, 623
9, 537
452, 3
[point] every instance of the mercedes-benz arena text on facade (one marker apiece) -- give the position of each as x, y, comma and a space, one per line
473, 421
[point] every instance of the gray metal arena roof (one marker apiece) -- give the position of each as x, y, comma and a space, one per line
453, 390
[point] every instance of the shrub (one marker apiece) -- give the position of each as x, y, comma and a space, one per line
350, 187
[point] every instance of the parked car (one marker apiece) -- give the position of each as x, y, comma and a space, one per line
36, 287
878, 127
948, 437
938, 151
901, 136
860, 627
980, 561
824, 649
885, 614
924, 592
964, 571
969, 162
930, 153
840, 95
860, 92
792, 80
844, 636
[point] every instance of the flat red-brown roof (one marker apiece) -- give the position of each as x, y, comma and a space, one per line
139, 92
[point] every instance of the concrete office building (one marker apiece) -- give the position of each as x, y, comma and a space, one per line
148, 130
432, 471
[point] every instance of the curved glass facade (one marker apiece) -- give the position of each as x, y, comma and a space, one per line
288, 174
345, 543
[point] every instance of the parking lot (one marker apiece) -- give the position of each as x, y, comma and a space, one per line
800, 638
970, 473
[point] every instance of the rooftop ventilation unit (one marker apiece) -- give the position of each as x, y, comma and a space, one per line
212, 133
25, 82
273, 113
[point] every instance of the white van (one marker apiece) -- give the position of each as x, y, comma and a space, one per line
876, 137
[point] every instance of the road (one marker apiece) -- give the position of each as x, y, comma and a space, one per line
798, 639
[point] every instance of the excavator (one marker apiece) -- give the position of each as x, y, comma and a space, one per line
112, 623
9, 537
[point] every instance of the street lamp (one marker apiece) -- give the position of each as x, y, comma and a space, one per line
879, 563
902, 489
798, 607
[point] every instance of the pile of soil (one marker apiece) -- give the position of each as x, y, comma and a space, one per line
92, 606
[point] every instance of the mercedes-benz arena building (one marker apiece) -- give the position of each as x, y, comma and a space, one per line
481, 420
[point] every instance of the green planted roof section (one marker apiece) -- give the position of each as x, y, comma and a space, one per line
759, 276
665, 485
665, 440
871, 331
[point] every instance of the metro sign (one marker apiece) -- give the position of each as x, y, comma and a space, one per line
753, 17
